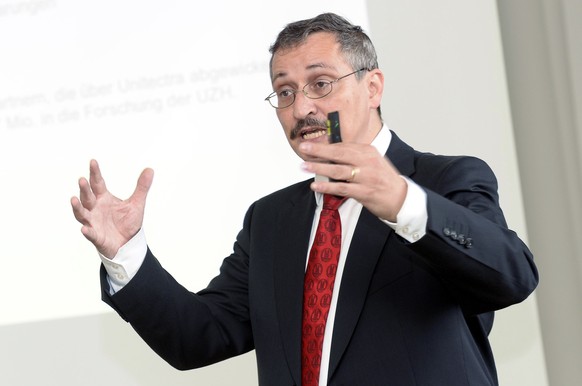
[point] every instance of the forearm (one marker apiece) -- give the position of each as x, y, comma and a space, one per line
185, 329
485, 264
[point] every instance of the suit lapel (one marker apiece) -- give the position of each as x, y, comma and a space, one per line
369, 241
295, 225
401, 155
367, 244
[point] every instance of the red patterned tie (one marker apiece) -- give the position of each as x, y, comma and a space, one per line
318, 287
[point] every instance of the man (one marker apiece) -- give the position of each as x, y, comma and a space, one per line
425, 256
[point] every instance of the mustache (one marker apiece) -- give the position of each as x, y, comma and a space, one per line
309, 121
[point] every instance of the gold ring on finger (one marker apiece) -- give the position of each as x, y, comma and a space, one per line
355, 171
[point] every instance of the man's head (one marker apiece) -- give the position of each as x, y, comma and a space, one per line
317, 52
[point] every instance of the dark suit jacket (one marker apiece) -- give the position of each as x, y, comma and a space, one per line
407, 314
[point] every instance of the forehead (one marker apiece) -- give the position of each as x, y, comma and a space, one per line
319, 50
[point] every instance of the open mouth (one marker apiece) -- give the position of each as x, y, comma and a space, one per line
312, 133
308, 129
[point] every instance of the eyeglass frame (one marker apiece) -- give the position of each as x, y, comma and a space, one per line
274, 93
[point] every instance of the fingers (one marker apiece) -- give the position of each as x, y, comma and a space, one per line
89, 234
353, 174
86, 196
361, 173
353, 163
97, 183
89, 190
81, 214
339, 153
339, 173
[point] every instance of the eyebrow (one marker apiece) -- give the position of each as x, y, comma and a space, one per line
309, 67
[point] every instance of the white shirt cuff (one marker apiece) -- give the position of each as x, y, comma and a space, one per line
125, 264
413, 216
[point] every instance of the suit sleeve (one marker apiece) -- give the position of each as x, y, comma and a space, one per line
188, 329
485, 265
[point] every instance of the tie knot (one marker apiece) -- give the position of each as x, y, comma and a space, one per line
332, 202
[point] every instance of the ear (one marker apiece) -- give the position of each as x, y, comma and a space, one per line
375, 87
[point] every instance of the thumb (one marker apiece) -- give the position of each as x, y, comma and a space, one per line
144, 183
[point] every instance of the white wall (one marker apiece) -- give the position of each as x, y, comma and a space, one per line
446, 92
543, 55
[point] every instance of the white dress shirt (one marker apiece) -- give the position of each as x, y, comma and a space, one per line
410, 225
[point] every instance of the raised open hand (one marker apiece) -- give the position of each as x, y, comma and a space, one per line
109, 222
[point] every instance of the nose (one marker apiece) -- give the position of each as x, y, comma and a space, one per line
303, 106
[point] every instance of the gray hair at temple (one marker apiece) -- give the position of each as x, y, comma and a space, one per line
355, 45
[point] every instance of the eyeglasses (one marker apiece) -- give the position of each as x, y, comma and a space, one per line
317, 89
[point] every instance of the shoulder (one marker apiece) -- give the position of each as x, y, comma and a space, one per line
443, 164
298, 189
285, 203
290, 196
445, 173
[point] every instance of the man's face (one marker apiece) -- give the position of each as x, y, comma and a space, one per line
319, 58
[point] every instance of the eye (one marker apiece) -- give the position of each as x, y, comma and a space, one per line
318, 88
285, 93
320, 84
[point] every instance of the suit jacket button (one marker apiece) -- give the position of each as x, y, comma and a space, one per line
461, 239
468, 242
446, 231
453, 235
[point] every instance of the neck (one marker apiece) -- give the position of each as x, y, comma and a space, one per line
374, 128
